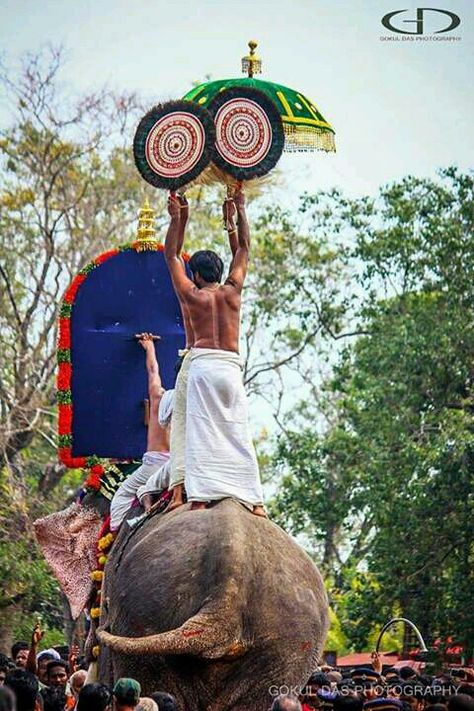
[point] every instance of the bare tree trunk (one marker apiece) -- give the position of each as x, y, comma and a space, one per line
69, 626
7, 623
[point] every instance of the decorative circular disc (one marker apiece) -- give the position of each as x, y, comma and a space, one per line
172, 144
249, 132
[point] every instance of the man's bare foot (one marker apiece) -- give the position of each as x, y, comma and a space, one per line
176, 499
259, 511
198, 505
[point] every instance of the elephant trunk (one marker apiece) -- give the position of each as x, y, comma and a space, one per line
213, 633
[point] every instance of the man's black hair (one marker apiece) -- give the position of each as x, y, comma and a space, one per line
319, 679
286, 702
164, 701
25, 686
57, 663
460, 702
5, 663
7, 699
209, 265
17, 647
406, 672
466, 689
54, 698
348, 702
94, 697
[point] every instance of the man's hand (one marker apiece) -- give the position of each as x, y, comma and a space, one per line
239, 199
72, 659
184, 208
146, 339
37, 635
228, 212
174, 207
376, 662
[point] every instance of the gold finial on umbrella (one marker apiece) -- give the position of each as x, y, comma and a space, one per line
146, 228
251, 63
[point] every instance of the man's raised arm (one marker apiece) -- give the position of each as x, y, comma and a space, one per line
183, 219
173, 244
238, 268
228, 213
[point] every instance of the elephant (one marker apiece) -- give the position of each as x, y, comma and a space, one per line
217, 606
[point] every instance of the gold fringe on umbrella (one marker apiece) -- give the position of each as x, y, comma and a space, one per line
302, 139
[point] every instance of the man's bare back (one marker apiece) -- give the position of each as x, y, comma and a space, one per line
215, 317
211, 309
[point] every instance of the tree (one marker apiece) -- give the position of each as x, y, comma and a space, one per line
398, 452
68, 191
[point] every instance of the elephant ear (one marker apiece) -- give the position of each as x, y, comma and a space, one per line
68, 540
215, 632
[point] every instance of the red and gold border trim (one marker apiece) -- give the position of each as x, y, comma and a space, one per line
64, 375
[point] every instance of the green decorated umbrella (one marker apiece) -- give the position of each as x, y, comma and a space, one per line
305, 127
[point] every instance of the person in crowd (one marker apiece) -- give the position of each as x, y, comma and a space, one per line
57, 673
94, 697
383, 704
77, 681
7, 699
368, 681
412, 693
54, 698
42, 661
146, 704
164, 701
20, 654
318, 681
348, 702
407, 673
5, 665
25, 687
466, 689
334, 678
126, 694
460, 702
286, 702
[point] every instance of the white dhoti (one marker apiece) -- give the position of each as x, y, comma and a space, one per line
127, 491
178, 424
220, 457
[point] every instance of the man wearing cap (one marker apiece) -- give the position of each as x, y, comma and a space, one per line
126, 694
154, 473
366, 681
383, 704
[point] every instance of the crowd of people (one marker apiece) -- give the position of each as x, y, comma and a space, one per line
43, 681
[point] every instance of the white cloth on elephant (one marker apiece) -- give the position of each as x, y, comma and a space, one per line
159, 481
220, 456
127, 491
165, 409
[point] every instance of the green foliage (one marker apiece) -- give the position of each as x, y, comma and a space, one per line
388, 486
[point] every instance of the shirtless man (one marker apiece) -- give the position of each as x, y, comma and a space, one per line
220, 458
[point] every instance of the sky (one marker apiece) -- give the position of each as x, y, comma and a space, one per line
397, 107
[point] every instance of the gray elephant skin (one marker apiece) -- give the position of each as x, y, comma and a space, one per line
218, 607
